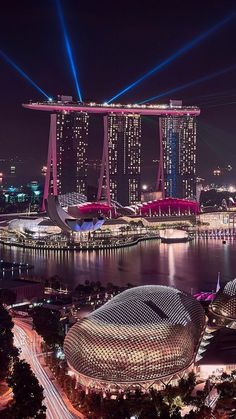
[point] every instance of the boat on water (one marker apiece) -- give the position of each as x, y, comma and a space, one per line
174, 235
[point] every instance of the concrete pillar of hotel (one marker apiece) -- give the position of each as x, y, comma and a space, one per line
160, 185
51, 161
105, 166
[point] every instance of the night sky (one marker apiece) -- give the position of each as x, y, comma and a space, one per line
115, 42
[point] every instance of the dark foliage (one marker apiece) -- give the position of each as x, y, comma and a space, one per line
7, 297
27, 394
47, 324
8, 352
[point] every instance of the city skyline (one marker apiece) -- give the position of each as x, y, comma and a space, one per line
117, 209
121, 163
216, 123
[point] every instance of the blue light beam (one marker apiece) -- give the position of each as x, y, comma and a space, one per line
190, 84
69, 49
185, 48
22, 73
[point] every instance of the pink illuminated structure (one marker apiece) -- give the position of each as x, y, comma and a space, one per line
169, 207
51, 161
51, 185
160, 186
105, 167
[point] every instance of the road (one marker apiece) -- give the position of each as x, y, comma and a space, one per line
5, 399
26, 339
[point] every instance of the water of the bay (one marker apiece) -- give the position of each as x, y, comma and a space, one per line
188, 266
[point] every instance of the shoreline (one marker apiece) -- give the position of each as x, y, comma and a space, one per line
224, 235
78, 248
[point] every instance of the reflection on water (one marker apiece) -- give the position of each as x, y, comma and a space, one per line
171, 265
187, 266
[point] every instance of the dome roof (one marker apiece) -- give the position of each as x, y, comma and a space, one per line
223, 307
33, 225
141, 335
88, 208
167, 206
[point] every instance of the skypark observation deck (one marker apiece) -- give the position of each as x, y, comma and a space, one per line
104, 109
174, 109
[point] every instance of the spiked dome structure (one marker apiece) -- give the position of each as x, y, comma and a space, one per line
223, 308
145, 336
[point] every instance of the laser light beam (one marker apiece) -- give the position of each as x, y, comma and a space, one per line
69, 49
190, 84
22, 73
185, 48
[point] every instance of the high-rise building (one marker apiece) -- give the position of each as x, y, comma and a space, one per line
124, 157
71, 150
121, 159
179, 154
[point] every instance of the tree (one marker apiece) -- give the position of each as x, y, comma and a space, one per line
176, 413
226, 389
7, 297
225, 376
191, 380
158, 399
186, 386
27, 393
233, 374
47, 324
148, 412
8, 353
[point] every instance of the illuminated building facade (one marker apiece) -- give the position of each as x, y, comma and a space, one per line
223, 308
71, 150
122, 142
124, 157
142, 337
179, 155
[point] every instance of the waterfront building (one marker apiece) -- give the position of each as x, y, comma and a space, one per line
71, 151
124, 158
219, 356
145, 336
179, 153
121, 159
73, 218
35, 227
168, 207
71, 198
222, 310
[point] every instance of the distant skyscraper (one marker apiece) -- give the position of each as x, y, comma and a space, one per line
179, 154
124, 157
71, 150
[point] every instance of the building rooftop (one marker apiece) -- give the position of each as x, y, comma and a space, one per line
222, 349
105, 108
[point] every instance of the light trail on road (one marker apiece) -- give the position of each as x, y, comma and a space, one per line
28, 341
